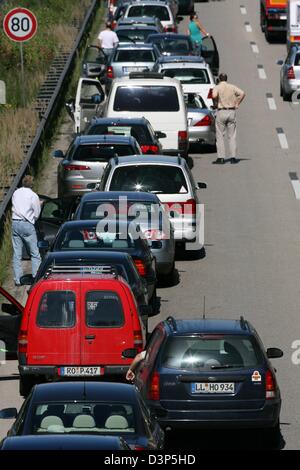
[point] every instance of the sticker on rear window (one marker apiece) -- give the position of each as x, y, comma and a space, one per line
256, 377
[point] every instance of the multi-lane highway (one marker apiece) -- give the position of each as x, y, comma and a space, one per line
252, 218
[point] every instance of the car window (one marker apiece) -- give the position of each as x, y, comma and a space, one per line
156, 178
103, 310
52, 210
87, 91
134, 55
93, 239
102, 152
133, 35
209, 352
138, 131
153, 347
194, 101
208, 44
146, 98
160, 12
173, 46
188, 75
56, 310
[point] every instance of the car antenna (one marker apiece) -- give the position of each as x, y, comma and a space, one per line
203, 316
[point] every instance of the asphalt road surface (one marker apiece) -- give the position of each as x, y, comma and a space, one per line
251, 265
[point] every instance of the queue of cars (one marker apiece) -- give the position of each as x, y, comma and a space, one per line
126, 199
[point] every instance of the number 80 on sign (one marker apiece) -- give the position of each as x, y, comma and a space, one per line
20, 24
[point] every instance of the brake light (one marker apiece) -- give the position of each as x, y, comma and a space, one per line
138, 340
149, 148
206, 121
155, 234
154, 393
182, 208
110, 72
270, 385
210, 94
23, 342
291, 73
140, 265
182, 136
76, 167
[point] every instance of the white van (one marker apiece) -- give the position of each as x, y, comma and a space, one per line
293, 23
157, 98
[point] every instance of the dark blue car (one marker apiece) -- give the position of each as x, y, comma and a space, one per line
64, 442
210, 374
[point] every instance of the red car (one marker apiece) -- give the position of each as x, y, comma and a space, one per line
78, 325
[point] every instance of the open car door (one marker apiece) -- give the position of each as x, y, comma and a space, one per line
89, 102
9, 324
210, 53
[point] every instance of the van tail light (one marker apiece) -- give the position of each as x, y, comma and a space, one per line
155, 234
110, 72
270, 385
140, 265
23, 342
291, 73
149, 148
210, 94
182, 208
182, 139
76, 167
138, 341
154, 392
206, 121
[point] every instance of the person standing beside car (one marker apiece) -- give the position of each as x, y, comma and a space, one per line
26, 208
196, 30
108, 39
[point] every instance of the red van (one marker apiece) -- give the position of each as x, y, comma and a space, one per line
78, 325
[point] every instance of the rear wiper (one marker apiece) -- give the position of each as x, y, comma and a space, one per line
227, 366
156, 192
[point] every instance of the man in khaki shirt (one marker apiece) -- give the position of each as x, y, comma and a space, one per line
227, 99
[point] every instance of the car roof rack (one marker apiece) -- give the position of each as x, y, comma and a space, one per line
92, 269
243, 323
136, 75
171, 320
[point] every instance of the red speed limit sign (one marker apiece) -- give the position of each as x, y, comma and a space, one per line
20, 24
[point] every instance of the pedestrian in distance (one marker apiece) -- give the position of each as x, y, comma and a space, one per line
227, 99
108, 39
196, 30
26, 208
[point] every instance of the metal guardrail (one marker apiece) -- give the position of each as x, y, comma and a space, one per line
43, 129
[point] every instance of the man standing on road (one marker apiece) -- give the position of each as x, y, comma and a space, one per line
108, 39
227, 99
26, 208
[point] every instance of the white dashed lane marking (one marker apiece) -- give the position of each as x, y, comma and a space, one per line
261, 72
248, 27
254, 47
295, 183
271, 102
243, 10
282, 138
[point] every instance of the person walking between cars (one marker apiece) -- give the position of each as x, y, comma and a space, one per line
108, 39
196, 30
26, 208
227, 98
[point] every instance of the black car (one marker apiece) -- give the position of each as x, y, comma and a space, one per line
64, 442
210, 374
93, 408
110, 235
94, 62
122, 263
139, 128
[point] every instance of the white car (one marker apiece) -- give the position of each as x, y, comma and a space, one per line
158, 9
193, 72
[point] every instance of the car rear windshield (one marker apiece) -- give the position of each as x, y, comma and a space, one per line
188, 75
139, 132
146, 98
134, 55
92, 239
173, 46
101, 152
103, 310
87, 417
211, 352
56, 310
156, 178
160, 12
134, 35
132, 209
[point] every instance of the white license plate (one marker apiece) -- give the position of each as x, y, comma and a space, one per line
213, 387
135, 69
80, 371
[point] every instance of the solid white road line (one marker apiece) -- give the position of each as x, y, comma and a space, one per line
243, 10
282, 138
248, 27
254, 47
296, 184
271, 102
261, 72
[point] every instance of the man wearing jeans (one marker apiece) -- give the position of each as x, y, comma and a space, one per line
227, 99
26, 208
108, 39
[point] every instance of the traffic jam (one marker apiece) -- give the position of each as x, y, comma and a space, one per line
97, 370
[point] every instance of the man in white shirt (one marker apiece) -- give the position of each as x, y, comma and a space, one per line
26, 208
108, 39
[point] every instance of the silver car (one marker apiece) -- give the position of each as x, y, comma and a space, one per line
290, 73
143, 208
201, 120
82, 166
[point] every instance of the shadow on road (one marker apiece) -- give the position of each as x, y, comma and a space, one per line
184, 255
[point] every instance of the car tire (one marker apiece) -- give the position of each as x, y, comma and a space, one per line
272, 437
168, 279
25, 385
286, 96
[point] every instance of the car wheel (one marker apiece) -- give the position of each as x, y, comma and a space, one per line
25, 385
168, 279
286, 96
272, 436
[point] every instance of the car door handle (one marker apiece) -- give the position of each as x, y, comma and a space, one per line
90, 336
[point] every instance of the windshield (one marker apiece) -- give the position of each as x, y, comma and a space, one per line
156, 178
94, 239
211, 352
86, 417
160, 12
132, 209
102, 152
134, 35
173, 46
188, 75
146, 98
134, 55
139, 132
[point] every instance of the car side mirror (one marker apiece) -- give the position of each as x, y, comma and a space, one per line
274, 353
96, 99
10, 309
160, 135
129, 353
280, 62
27, 280
8, 413
43, 245
58, 154
201, 185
